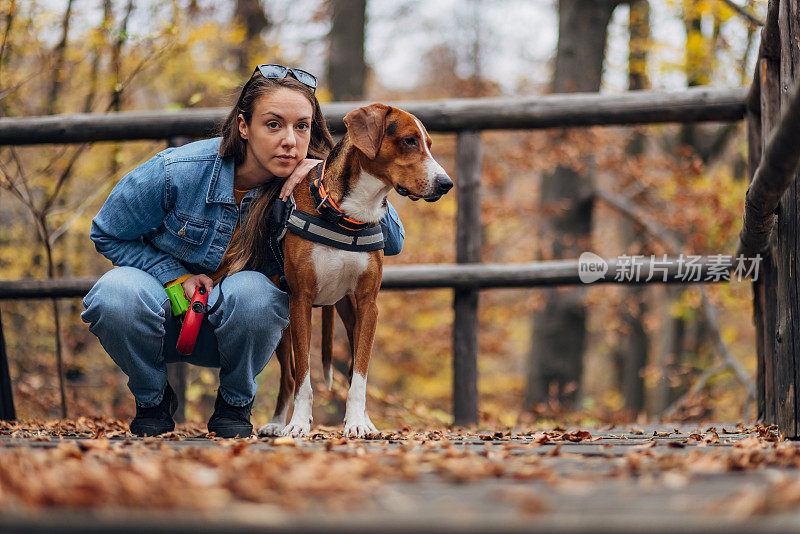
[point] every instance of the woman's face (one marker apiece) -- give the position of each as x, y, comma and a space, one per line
278, 133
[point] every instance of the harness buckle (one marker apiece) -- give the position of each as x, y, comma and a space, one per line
322, 202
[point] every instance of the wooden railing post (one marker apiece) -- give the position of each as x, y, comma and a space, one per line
177, 373
787, 331
7, 412
765, 288
465, 300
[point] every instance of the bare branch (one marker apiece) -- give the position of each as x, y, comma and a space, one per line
627, 208
95, 68
76, 214
12, 11
8, 90
713, 321
752, 19
24, 179
744, 62
78, 209
10, 185
728, 362
116, 52
149, 58
698, 386
35, 213
64, 177
60, 57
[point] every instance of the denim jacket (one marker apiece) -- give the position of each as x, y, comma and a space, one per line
175, 214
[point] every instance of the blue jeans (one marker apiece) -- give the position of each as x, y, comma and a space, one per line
128, 310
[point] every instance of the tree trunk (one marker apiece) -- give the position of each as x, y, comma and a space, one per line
667, 389
347, 69
250, 15
631, 353
555, 362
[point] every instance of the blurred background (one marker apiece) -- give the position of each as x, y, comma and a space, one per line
619, 353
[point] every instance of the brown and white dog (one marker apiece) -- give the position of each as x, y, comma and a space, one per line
385, 148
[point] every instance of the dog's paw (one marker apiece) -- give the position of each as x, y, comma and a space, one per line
296, 430
271, 429
359, 427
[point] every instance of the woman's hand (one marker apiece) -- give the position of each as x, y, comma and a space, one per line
190, 285
300, 172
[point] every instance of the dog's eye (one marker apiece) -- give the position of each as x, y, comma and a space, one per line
410, 141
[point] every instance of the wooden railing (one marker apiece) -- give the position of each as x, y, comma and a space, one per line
465, 117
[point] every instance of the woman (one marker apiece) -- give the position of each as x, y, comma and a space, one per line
173, 224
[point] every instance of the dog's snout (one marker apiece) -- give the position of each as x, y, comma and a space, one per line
442, 184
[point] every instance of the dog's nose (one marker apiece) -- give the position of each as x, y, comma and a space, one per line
442, 184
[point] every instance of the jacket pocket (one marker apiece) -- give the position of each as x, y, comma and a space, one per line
187, 228
182, 236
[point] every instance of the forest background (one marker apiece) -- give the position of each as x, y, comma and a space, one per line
605, 353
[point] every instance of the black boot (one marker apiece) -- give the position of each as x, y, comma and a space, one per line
230, 421
156, 420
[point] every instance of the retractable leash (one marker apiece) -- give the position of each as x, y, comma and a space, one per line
194, 318
191, 323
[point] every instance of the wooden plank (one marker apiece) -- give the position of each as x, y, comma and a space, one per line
753, 122
7, 412
551, 111
786, 238
792, 64
465, 299
765, 289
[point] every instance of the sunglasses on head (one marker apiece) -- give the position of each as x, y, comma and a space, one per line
273, 70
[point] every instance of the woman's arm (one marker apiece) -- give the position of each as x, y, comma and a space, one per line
137, 205
297, 176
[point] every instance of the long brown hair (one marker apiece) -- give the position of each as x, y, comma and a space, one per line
249, 248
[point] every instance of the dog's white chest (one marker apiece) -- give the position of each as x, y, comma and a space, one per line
337, 272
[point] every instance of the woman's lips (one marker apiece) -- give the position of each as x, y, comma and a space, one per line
285, 158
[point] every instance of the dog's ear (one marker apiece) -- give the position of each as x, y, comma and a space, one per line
365, 127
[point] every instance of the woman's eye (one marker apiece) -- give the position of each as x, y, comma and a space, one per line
273, 124
410, 141
303, 126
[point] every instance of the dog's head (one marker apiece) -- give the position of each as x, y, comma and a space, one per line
396, 149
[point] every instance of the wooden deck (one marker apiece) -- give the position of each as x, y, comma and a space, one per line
626, 479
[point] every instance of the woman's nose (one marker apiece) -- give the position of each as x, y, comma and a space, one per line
289, 139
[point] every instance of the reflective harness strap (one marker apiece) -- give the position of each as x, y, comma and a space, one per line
321, 231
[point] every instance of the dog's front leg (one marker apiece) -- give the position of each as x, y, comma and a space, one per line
300, 324
284, 354
356, 421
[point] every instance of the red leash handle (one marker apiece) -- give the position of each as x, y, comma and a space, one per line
191, 323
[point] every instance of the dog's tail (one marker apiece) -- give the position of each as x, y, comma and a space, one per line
327, 345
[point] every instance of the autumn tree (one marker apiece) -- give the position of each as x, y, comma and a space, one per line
347, 68
559, 330
633, 347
